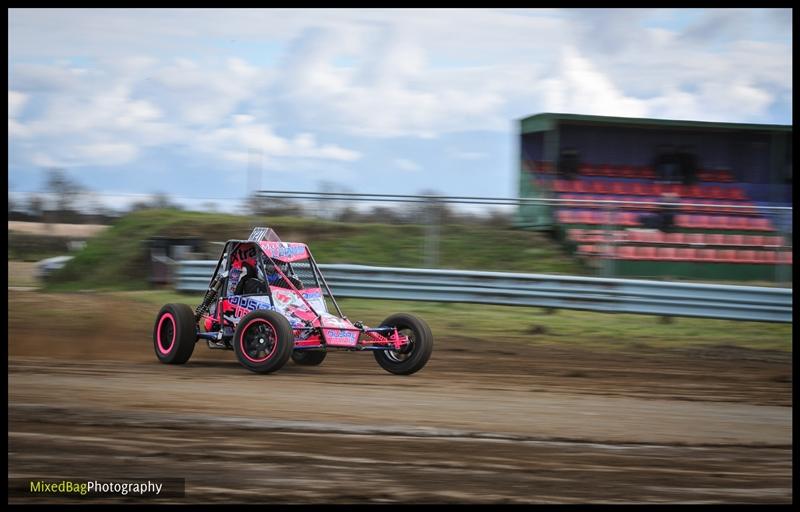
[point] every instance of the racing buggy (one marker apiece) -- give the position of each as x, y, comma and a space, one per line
268, 302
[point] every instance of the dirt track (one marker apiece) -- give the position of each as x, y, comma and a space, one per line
483, 422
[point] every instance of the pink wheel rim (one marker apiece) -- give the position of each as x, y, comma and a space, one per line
243, 348
159, 341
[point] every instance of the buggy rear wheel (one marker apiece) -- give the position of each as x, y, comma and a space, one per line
308, 357
415, 355
174, 334
263, 341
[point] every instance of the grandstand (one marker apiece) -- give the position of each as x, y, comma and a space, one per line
727, 221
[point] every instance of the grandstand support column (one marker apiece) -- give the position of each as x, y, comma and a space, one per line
607, 258
783, 271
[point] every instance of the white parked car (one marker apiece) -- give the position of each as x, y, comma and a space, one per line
45, 267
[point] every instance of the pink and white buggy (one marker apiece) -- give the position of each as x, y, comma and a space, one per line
268, 302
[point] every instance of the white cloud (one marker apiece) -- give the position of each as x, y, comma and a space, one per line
245, 137
16, 102
579, 87
85, 88
406, 165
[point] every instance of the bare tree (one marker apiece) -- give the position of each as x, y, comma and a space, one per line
161, 200
64, 190
35, 205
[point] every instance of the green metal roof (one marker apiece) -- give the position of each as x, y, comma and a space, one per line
547, 121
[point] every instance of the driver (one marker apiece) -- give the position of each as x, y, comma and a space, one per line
286, 268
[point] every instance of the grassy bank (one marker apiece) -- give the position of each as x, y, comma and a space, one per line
586, 329
108, 315
117, 258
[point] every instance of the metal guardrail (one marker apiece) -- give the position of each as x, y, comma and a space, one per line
539, 290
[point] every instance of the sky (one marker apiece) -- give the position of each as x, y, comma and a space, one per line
208, 105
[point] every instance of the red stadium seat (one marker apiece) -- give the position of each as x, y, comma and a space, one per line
685, 254
645, 253
626, 252
736, 222
584, 217
581, 187
637, 189
746, 256
714, 239
714, 192
598, 187
737, 240
773, 241
769, 257
726, 256
706, 254
760, 224
675, 238
701, 221
693, 238
737, 194
644, 237
665, 253
562, 186
785, 257
694, 191
629, 219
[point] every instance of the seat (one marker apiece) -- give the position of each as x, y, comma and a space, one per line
767, 257
694, 238
737, 240
666, 253
746, 256
726, 256
675, 238
249, 283
736, 222
737, 194
647, 172
694, 191
700, 221
604, 169
715, 192
772, 241
714, 239
706, 254
585, 217
580, 187
625, 252
785, 257
562, 186
685, 254
644, 237
760, 224
645, 253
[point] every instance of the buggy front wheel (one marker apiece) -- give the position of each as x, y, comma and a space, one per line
413, 357
263, 341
